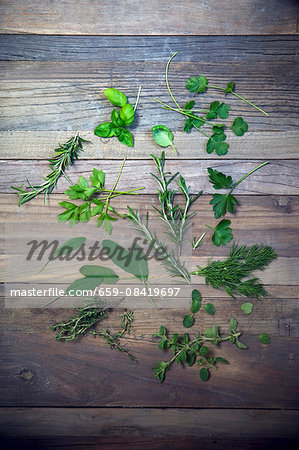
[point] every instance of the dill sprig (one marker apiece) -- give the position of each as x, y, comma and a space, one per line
176, 218
240, 264
64, 156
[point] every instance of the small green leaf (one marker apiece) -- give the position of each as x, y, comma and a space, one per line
223, 111
196, 295
117, 122
163, 136
189, 105
115, 97
247, 307
108, 275
83, 284
233, 324
222, 233
210, 308
126, 137
127, 114
264, 338
103, 129
70, 245
197, 84
219, 359
188, 321
195, 306
204, 374
219, 179
229, 88
240, 344
204, 350
239, 126
223, 203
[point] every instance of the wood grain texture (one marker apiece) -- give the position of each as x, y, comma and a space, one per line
278, 178
155, 17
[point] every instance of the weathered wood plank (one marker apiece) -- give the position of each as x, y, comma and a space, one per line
278, 178
135, 428
153, 18
272, 220
41, 144
38, 371
227, 52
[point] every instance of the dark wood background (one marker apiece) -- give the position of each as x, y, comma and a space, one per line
56, 57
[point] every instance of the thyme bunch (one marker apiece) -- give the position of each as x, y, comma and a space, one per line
64, 156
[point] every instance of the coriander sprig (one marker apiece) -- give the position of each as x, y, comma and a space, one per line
64, 156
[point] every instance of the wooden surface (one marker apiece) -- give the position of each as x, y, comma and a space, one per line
55, 60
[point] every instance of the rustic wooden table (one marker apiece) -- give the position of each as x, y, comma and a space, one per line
56, 59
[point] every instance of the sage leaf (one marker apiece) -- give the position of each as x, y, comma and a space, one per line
91, 271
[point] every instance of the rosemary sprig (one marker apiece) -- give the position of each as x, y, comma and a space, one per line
240, 264
64, 156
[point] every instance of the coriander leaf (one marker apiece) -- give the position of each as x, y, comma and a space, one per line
247, 307
219, 179
188, 321
189, 105
115, 97
103, 129
222, 233
223, 203
212, 114
188, 125
221, 360
204, 374
229, 88
216, 142
223, 111
127, 114
126, 137
264, 338
239, 126
197, 84
210, 308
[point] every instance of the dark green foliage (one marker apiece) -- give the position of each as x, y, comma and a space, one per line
219, 179
222, 233
64, 156
264, 338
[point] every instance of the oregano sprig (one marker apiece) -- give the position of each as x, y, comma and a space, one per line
63, 157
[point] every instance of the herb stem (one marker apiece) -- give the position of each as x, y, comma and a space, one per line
241, 98
247, 175
137, 98
114, 186
166, 79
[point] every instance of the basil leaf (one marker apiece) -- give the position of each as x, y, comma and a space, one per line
103, 129
126, 137
115, 97
163, 136
127, 114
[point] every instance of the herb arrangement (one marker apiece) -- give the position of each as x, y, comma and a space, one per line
234, 274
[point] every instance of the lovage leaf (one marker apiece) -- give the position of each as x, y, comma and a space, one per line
115, 97
223, 203
222, 233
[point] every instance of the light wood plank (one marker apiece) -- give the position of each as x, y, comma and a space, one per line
155, 17
278, 178
41, 144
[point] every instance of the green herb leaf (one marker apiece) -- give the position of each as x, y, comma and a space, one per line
229, 88
163, 136
103, 129
91, 271
219, 359
189, 105
133, 261
247, 307
70, 245
196, 295
222, 233
264, 338
240, 344
219, 179
126, 137
197, 84
195, 306
204, 350
116, 120
115, 97
83, 284
127, 114
188, 321
210, 308
239, 126
223, 203
204, 374
233, 324
216, 143
223, 111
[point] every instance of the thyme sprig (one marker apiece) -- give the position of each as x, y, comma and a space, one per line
64, 156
